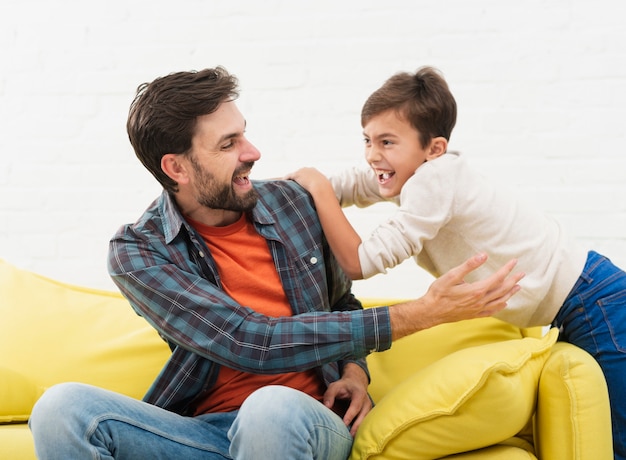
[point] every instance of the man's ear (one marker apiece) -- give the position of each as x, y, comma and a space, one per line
175, 168
438, 146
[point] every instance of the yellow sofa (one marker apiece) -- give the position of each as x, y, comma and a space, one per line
478, 389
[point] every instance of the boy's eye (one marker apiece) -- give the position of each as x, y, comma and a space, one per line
386, 142
366, 141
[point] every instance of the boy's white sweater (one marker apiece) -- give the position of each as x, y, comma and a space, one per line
448, 213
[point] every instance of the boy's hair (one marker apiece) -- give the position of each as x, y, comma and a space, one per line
162, 117
423, 98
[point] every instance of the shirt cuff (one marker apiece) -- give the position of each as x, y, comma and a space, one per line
372, 329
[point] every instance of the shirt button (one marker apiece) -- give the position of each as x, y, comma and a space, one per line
201, 254
314, 260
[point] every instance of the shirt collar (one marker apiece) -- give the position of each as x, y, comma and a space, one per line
173, 221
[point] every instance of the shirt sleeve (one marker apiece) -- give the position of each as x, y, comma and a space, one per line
190, 311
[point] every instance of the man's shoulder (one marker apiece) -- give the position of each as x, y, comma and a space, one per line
149, 224
273, 185
271, 191
285, 202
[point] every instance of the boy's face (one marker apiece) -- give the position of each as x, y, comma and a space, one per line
393, 150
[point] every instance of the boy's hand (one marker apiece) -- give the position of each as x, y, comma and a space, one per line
310, 178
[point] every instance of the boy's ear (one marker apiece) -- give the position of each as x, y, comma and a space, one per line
175, 168
438, 147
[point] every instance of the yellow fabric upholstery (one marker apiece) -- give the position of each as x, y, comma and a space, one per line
18, 395
413, 352
51, 332
569, 394
451, 405
497, 452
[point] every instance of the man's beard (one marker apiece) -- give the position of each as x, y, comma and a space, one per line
214, 195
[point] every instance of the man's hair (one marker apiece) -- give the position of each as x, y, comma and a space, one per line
162, 117
423, 99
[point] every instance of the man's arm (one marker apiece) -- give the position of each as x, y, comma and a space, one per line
449, 298
190, 311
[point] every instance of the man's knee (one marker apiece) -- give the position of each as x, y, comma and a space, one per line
273, 401
275, 413
55, 407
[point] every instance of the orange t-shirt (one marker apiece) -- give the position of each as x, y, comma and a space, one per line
249, 276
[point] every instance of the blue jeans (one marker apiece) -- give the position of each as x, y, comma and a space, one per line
77, 421
593, 317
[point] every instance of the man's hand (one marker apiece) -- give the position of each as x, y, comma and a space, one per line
351, 388
450, 298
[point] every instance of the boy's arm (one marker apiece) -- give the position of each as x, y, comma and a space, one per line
343, 239
357, 187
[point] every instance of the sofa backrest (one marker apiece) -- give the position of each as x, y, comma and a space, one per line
52, 332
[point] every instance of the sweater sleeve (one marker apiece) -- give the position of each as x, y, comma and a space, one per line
356, 187
426, 204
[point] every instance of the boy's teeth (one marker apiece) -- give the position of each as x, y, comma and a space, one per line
385, 176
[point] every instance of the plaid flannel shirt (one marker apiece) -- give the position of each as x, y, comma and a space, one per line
165, 270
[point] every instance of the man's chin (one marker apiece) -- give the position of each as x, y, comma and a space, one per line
247, 201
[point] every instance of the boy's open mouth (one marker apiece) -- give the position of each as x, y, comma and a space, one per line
383, 177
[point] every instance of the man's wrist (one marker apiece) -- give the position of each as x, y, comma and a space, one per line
409, 317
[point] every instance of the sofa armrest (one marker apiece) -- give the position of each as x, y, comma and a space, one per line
573, 418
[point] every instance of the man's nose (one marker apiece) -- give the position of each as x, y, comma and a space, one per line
249, 152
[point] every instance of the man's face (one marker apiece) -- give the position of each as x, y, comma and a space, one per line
221, 159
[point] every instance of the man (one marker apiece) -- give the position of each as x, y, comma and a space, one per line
268, 342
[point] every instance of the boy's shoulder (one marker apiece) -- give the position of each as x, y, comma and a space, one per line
448, 168
450, 159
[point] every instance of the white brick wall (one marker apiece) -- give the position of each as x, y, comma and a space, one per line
541, 87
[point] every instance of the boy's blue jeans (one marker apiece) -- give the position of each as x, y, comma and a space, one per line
77, 421
593, 317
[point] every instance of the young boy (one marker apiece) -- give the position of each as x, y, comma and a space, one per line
447, 212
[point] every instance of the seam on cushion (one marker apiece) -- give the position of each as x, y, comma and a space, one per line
504, 369
571, 393
528, 357
408, 424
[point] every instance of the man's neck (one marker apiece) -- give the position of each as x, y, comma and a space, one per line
207, 216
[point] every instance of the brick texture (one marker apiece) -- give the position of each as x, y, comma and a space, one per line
541, 88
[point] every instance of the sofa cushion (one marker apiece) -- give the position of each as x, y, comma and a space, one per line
497, 452
416, 351
53, 332
18, 394
573, 412
468, 400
